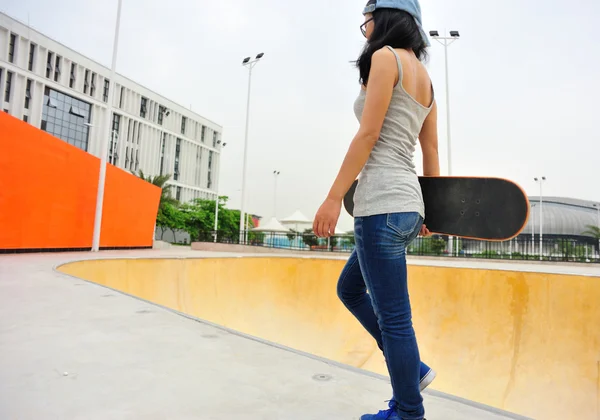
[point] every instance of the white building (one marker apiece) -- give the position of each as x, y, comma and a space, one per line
65, 94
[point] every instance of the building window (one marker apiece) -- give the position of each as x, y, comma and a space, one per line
177, 152
11, 48
113, 156
9, 76
93, 85
28, 93
161, 113
178, 194
25, 118
126, 156
215, 135
31, 56
203, 132
162, 153
49, 65
106, 87
57, 68
143, 107
72, 77
66, 117
137, 159
210, 159
121, 97
86, 83
183, 121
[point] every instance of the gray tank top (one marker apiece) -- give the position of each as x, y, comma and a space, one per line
388, 182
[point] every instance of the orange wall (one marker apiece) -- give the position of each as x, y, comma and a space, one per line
48, 195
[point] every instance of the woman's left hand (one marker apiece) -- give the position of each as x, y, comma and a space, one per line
327, 217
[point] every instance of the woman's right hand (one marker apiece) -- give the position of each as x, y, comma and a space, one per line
424, 231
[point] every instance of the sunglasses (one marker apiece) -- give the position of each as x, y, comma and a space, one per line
363, 27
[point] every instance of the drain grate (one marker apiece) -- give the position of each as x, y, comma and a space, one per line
144, 311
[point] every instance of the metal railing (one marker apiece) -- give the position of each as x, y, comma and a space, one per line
582, 250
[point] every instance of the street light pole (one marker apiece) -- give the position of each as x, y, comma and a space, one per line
446, 42
249, 64
532, 229
217, 198
541, 182
104, 144
598, 208
275, 174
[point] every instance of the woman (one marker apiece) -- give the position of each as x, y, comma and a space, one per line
396, 108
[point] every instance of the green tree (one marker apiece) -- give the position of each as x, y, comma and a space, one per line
167, 216
200, 220
161, 182
593, 231
170, 217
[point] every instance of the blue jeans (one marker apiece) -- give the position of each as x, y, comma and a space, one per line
378, 264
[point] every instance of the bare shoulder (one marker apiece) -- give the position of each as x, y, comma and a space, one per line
384, 65
383, 56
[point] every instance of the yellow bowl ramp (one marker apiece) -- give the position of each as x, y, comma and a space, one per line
528, 343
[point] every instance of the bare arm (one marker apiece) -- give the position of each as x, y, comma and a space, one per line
382, 78
429, 144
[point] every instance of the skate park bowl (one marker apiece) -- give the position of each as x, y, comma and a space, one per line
524, 342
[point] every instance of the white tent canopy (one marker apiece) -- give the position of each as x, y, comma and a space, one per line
296, 218
272, 226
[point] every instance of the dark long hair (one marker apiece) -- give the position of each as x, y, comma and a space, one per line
395, 28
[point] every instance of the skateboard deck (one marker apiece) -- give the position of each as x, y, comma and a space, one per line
481, 208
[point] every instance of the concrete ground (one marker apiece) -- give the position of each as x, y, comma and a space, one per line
70, 349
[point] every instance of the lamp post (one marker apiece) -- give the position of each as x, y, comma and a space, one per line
532, 229
598, 208
104, 145
275, 175
541, 182
446, 42
217, 197
249, 63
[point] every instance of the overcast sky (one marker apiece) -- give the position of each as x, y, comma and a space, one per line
524, 80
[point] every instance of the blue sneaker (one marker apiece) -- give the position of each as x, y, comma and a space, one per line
427, 379
389, 414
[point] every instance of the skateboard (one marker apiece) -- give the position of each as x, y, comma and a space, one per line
492, 209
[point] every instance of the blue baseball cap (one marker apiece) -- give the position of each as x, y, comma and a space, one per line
410, 6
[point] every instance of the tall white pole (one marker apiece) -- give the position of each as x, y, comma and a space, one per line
245, 164
448, 134
446, 41
250, 64
541, 217
275, 174
532, 230
217, 199
216, 214
598, 208
104, 144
